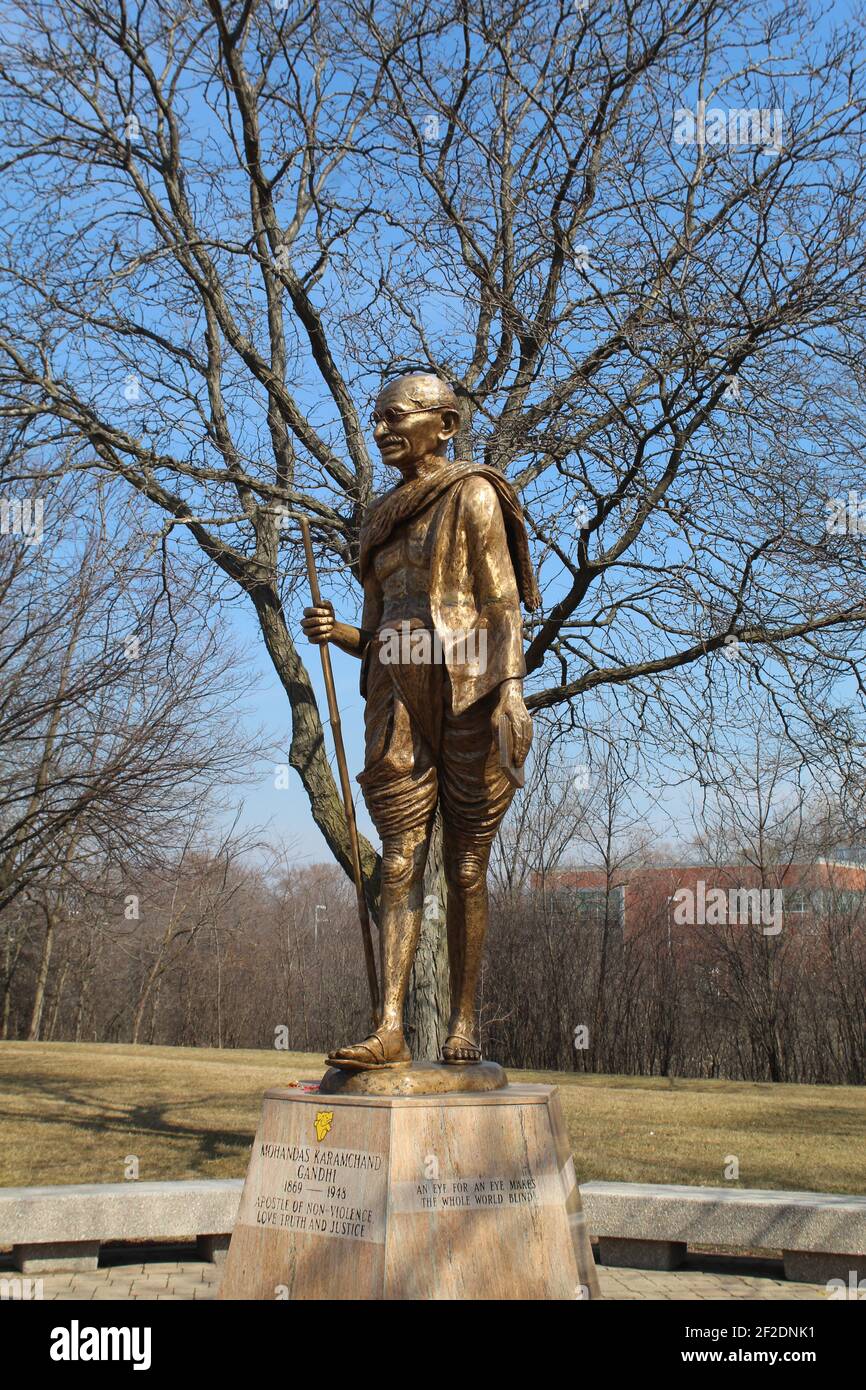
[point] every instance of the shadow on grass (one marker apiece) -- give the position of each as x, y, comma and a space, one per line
94, 1113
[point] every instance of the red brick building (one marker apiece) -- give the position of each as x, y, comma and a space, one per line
676, 897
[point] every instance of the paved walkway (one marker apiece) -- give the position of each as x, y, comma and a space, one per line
707, 1282
191, 1279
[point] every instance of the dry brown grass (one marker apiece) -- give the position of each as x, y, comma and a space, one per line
73, 1112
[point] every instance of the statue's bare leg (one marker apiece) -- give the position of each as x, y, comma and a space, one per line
466, 875
401, 908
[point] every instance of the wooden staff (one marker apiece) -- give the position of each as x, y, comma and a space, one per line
345, 784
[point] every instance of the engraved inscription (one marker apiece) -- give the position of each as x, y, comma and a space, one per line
471, 1192
333, 1192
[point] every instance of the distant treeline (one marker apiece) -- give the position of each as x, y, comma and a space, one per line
221, 953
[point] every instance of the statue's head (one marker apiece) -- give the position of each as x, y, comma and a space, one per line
415, 416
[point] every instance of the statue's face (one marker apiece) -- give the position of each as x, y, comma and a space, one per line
405, 431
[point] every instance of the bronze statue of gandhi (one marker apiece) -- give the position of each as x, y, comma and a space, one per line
445, 564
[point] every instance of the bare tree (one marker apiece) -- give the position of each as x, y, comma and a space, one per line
117, 727
117, 709
764, 821
225, 222
190, 902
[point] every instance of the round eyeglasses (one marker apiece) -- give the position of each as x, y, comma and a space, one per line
391, 416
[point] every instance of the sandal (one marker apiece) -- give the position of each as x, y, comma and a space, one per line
468, 1046
371, 1045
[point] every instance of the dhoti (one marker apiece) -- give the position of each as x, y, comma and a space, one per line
418, 753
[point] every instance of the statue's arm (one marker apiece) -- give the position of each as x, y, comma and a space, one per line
320, 625
493, 579
498, 597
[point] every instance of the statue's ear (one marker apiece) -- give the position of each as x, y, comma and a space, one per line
450, 424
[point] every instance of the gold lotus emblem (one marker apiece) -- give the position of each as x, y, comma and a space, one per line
324, 1120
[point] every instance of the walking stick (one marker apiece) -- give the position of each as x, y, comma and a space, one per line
348, 804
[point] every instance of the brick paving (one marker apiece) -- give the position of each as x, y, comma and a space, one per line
702, 1278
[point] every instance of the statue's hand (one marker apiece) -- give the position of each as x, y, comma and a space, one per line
510, 707
318, 623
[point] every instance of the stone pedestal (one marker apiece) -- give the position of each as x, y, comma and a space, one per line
451, 1196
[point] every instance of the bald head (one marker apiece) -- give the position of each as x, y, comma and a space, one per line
423, 390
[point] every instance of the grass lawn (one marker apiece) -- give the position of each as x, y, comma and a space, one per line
72, 1112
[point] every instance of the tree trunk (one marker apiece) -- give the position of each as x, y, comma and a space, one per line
41, 979
144, 995
307, 753
428, 1003
12, 954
